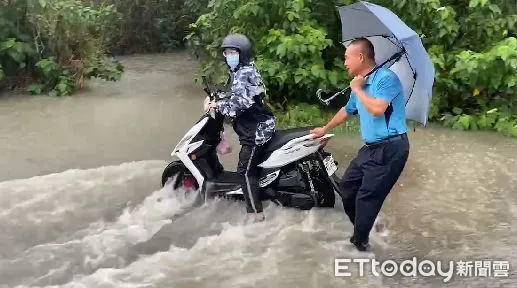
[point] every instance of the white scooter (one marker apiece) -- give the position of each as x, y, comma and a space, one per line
295, 170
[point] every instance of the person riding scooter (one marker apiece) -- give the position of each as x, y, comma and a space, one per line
253, 121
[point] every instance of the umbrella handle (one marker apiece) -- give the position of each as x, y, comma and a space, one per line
395, 56
327, 101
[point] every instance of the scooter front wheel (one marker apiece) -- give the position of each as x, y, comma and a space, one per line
182, 181
181, 176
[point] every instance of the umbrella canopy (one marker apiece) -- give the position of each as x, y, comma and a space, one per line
396, 46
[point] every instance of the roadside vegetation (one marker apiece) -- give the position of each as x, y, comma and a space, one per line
54, 46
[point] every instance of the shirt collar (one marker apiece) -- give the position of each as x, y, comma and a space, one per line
370, 79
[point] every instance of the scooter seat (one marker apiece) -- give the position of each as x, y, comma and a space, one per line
281, 137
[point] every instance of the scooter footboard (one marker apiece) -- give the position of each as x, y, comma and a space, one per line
300, 201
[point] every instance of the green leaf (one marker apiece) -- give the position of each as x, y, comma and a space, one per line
280, 50
290, 16
255, 10
457, 110
465, 121
482, 122
333, 78
34, 89
504, 52
458, 126
512, 132
7, 44
495, 9
473, 124
315, 71
449, 120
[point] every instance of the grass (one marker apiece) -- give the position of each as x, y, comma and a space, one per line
302, 115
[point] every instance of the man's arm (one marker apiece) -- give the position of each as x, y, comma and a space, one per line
373, 105
342, 114
338, 119
235, 104
387, 89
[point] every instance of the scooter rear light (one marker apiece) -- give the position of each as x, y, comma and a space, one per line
189, 183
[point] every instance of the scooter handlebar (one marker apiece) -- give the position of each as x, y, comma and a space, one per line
212, 95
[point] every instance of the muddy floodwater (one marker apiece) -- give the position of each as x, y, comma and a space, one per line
81, 203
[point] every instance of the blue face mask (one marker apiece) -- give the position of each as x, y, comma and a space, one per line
232, 60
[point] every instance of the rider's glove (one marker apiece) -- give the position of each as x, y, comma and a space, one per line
218, 95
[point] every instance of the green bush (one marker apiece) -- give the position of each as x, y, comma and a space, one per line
56, 44
472, 45
152, 25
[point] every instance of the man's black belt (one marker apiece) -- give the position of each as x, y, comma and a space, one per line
387, 140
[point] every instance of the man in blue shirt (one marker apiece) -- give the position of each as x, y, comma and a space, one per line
379, 100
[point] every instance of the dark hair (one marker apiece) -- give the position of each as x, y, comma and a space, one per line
366, 47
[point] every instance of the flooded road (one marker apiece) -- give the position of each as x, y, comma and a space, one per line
81, 204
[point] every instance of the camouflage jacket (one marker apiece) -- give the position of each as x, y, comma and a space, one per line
252, 119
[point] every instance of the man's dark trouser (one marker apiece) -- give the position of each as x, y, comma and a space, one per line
369, 179
247, 168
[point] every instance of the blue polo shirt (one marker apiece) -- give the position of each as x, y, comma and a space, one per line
385, 84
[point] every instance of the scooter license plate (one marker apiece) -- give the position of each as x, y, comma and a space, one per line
330, 165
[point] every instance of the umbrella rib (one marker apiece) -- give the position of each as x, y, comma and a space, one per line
410, 66
397, 58
389, 39
412, 88
376, 35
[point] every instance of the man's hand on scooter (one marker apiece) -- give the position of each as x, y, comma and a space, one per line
318, 132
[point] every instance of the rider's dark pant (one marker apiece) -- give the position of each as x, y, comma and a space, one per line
368, 181
249, 157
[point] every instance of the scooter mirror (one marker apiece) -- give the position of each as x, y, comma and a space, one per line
207, 109
207, 87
